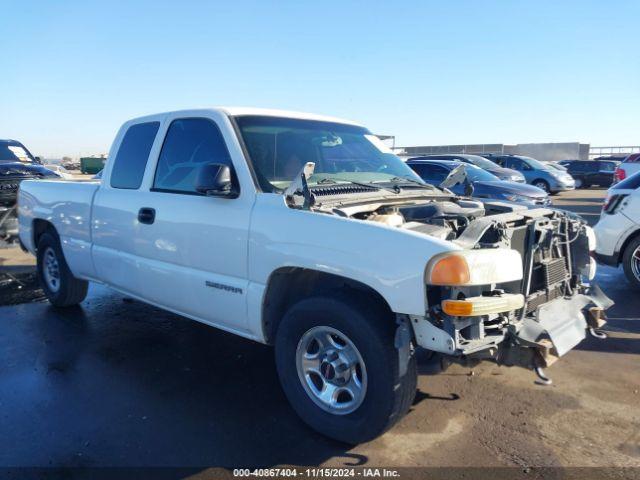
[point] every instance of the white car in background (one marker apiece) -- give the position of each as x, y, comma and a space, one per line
60, 170
618, 230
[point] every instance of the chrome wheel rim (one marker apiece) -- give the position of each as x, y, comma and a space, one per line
331, 370
635, 263
578, 183
51, 270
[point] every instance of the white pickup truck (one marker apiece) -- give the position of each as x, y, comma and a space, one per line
307, 233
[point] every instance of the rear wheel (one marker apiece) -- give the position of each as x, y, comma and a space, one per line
631, 262
340, 369
58, 283
542, 184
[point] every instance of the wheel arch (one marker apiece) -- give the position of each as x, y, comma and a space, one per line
287, 285
40, 226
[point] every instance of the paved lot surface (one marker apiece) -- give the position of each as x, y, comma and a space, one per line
119, 383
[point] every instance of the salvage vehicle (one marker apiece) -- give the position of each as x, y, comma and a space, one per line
16, 164
618, 230
14, 151
477, 182
307, 233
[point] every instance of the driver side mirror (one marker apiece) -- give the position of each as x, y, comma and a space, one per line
216, 180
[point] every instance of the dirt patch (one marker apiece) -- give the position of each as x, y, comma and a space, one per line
18, 279
20, 287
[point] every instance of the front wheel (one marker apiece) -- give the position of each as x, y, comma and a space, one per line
543, 185
58, 283
578, 183
340, 370
631, 262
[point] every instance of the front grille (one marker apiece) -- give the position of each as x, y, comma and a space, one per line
8, 186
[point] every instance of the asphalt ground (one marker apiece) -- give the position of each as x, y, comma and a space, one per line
120, 383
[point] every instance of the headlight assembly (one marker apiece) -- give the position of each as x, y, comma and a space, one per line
474, 267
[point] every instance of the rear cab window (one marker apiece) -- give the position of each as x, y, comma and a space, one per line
131, 159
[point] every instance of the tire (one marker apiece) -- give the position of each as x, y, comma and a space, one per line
385, 397
631, 262
61, 288
543, 184
579, 183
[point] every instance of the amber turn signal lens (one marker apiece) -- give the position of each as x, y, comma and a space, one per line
475, 306
450, 270
457, 308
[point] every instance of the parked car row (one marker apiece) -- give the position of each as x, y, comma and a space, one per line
481, 162
535, 172
488, 179
552, 177
483, 183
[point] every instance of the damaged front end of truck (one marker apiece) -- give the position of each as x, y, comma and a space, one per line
530, 300
517, 290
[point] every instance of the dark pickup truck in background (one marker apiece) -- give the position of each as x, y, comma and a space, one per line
16, 164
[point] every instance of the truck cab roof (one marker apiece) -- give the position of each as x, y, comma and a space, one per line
246, 111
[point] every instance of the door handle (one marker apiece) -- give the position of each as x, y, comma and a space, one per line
146, 215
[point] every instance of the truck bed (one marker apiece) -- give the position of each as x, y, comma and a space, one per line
66, 205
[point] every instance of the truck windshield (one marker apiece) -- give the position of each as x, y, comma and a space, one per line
12, 151
279, 147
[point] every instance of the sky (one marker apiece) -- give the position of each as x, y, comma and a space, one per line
429, 72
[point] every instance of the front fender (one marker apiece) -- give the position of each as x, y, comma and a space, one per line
389, 260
